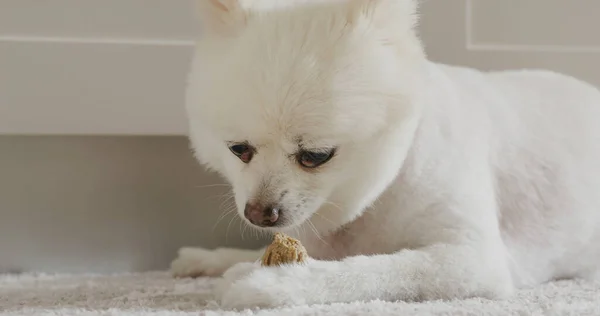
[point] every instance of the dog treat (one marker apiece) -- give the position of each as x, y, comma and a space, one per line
284, 250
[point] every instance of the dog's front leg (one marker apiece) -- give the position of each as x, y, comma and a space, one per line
198, 262
440, 271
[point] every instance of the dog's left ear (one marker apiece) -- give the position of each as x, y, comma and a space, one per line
395, 17
221, 17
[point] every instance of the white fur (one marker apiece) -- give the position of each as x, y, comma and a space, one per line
448, 182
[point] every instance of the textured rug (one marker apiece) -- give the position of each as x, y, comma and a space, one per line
158, 294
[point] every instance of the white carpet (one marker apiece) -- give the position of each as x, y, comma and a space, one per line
159, 294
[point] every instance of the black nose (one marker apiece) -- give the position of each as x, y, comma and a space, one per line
262, 216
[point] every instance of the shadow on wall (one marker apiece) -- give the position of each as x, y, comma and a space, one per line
107, 204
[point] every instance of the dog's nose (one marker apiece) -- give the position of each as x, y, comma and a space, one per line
262, 216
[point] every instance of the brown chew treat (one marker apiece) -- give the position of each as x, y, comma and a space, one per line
284, 250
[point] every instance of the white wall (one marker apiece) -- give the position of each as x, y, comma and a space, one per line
125, 197
104, 204
118, 66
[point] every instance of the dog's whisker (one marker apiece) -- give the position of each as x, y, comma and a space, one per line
221, 196
325, 218
246, 227
233, 218
231, 210
241, 230
227, 203
212, 185
314, 229
337, 207
226, 195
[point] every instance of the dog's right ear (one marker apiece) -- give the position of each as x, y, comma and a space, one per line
222, 17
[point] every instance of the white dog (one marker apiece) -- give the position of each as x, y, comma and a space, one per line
405, 179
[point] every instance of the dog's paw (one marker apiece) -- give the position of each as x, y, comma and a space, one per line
197, 262
253, 290
249, 286
234, 274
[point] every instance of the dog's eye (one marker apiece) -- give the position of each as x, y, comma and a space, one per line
313, 159
242, 151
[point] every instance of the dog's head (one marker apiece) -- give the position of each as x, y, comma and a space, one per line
304, 107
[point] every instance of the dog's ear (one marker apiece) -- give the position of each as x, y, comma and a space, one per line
222, 17
395, 17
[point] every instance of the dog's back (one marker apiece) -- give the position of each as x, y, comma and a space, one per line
545, 152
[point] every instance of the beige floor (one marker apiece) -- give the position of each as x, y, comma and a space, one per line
158, 294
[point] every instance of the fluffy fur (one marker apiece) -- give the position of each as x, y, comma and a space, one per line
447, 182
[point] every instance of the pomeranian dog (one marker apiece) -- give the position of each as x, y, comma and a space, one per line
405, 179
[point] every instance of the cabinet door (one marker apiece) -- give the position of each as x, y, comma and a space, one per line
94, 67
499, 34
